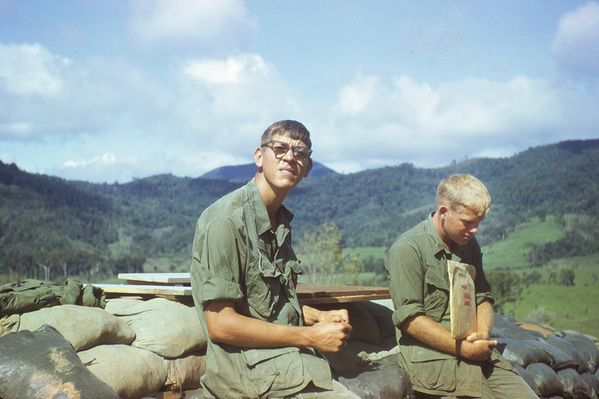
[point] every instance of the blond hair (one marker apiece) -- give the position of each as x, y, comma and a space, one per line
463, 191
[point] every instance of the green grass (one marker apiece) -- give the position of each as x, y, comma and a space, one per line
574, 308
510, 253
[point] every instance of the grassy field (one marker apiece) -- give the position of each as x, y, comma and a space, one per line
510, 252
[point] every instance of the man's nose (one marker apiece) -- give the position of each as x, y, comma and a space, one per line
289, 155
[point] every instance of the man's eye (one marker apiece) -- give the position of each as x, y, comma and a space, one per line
280, 148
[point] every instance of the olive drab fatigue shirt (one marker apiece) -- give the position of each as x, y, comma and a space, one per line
419, 285
237, 257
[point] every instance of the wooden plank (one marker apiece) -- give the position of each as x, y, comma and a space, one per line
138, 289
168, 284
156, 278
314, 294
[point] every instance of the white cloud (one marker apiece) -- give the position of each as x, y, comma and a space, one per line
42, 94
196, 24
576, 42
390, 122
233, 99
30, 69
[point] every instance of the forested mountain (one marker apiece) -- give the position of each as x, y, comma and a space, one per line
101, 228
244, 173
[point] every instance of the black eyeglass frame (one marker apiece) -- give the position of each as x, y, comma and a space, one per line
294, 149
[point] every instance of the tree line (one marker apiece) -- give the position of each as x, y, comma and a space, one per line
43, 218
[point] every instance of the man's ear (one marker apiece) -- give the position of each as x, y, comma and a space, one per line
258, 157
308, 167
443, 211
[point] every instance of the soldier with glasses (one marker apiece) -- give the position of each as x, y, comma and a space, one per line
261, 342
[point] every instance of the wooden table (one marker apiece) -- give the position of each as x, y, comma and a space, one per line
177, 286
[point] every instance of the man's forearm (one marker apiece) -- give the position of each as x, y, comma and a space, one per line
434, 335
484, 319
225, 325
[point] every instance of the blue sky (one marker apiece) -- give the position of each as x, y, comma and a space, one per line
113, 90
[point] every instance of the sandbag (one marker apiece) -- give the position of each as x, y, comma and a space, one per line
382, 313
353, 355
83, 327
526, 376
42, 364
185, 372
364, 327
582, 364
383, 379
573, 384
131, 372
169, 329
388, 343
504, 324
497, 333
534, 326
522, 352
586, 347
592, 381
559, 359
548, 384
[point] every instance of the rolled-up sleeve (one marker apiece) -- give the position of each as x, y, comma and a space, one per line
405, 281
219, 263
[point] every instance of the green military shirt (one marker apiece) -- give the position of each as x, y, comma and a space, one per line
419, 285
237, 257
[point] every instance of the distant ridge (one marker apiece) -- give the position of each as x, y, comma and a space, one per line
244, 173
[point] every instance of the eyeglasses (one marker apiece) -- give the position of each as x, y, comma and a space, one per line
281, 148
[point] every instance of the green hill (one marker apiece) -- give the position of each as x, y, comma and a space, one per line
99, 229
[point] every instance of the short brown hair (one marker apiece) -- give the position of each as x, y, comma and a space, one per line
289, 128
464, 191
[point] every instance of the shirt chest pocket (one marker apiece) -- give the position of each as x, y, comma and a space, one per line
263, 281
436, 294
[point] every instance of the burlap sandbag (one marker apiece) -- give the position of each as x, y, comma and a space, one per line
42, 364
582, 366
574, 386
167, 328
546, 379
383, 379
355, 354
185, 372
382, 312
83, 327
586, 347
559, 359
526, 376
131, 372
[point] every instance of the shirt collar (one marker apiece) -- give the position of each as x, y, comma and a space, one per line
439, 247
283, 215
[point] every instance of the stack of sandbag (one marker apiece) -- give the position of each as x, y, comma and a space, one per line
136, 347
167, 353
43, 364
368, 364
553, 363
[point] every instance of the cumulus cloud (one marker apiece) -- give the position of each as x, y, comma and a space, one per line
233, 99
380, 122
45, 94
576, 42
200, 24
